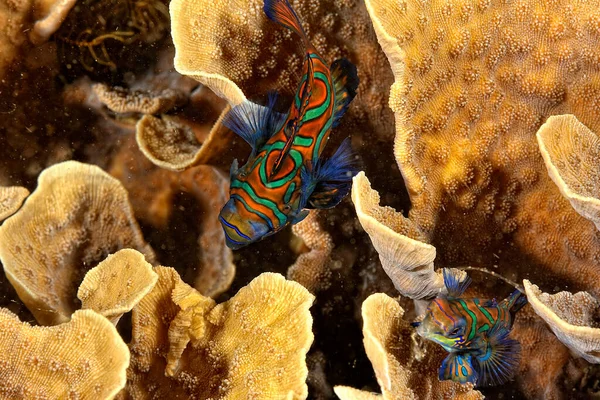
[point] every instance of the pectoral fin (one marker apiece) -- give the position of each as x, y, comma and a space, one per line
325, 184
459, 368
499, 360
254, 123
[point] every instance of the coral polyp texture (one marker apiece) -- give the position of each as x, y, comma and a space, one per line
233, 48
84, 358
252, 346
571, 152
474, 81
77, 215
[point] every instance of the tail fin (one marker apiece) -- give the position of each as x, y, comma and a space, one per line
516, 301
281, 11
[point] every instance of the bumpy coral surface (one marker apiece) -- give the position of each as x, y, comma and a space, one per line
252, 346
84, 358
473, 83
77, 215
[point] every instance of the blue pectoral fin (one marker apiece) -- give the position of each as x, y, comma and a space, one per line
458, 367
345, 83
500, 359
453, 284
255, 123
326, 183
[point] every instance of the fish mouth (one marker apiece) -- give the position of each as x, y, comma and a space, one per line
446, 343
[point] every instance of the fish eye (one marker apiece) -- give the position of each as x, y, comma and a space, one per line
287, 207
456, 331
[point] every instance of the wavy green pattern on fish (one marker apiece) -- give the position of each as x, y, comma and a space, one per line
285, 172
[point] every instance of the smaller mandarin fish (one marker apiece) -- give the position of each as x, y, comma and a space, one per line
475, 333
285, 173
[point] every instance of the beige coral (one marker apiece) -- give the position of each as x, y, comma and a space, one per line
473, 83
404, 255
239, 349
171, 144
50, 15
233, 48
117, 284
11, 198
403, 369
571, 318
77, 215
122, 100
155, 190
84, 358
312, 268
571, 152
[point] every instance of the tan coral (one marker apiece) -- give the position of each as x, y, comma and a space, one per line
121, 100
238, 349
50, 15
404, 255
312, 269
571, 318
77, 215
473, 83
155, 198
171, 144
571, 152
216, 270
234, 49
117, 284
403, 370
11, 198
84, 358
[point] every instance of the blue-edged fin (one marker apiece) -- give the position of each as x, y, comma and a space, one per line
453, 284
255, 123
458, 367
281, 11
326, 183
515, 301
499, 359
345, 83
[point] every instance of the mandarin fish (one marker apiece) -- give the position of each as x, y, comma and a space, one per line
285, 173
475, 333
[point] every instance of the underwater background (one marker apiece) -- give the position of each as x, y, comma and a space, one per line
475, 130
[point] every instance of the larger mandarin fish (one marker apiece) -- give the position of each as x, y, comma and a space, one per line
475, 333
285, 173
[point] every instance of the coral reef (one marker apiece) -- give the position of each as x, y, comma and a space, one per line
312, 268
473, 83
11, 199
84, 358
77, 215
186, 346
571, 152
117, 284
573, 319
404, 369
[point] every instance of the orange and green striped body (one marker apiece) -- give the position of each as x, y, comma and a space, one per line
285, 173
474, 332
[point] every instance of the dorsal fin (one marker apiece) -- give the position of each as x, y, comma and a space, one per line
453, 283
254, 123
281, 11
345, 83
